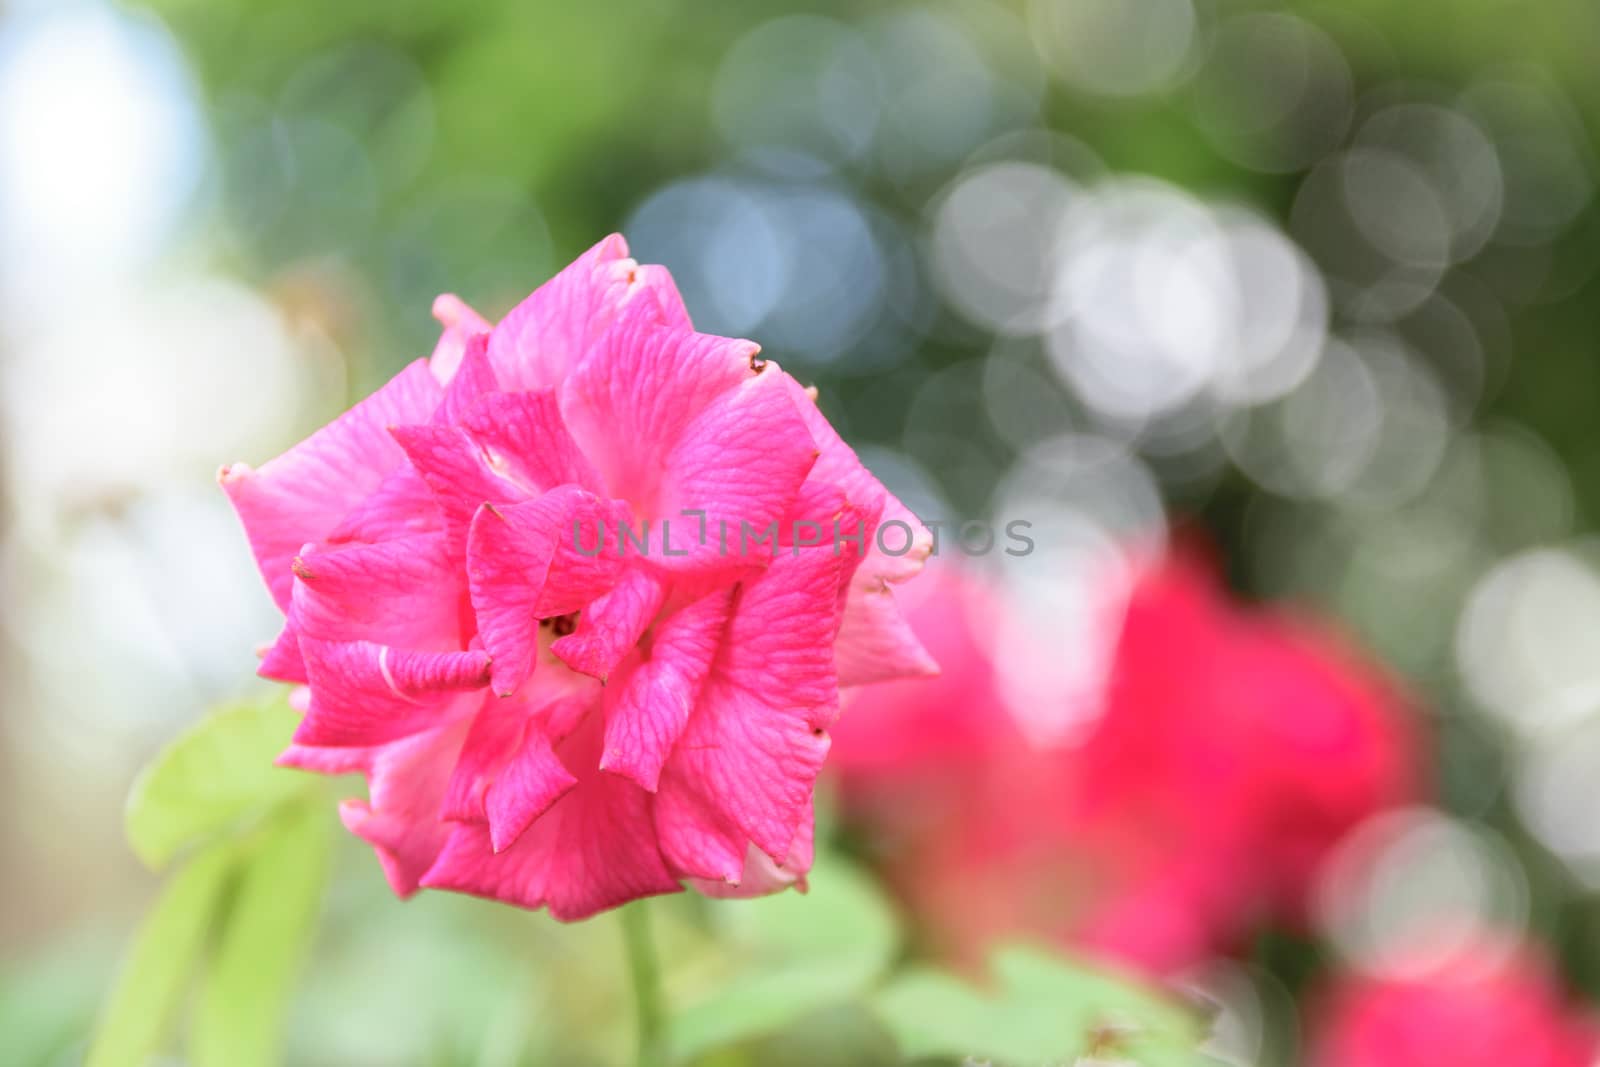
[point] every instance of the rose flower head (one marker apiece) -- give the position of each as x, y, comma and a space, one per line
577, 594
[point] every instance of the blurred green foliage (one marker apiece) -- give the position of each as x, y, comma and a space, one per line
224, 943
1042, 1010
239, 911
795, 955
212, 780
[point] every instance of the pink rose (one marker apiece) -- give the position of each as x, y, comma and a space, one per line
530, 586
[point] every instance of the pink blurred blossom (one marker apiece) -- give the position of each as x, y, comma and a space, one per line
1507, 1008
1234, 748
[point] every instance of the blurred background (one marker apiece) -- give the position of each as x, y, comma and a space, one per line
1316, 282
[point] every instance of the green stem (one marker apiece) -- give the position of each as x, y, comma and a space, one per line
645, 972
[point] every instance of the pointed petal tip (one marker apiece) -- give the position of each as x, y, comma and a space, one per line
500, 680
927, 666
448, 309
613, 762
431, 878
305, 734
231, 474
352, 812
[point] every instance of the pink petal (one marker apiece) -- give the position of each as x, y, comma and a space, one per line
610, 627
496, 732
459, 474
542, 338
650, 709
524, 565
554, 699
531, 781
762, 875
523, 435
283, 662
876, 642
741, 462
628, 401
303, 494
405, 783
366, 694
656, 281
460, 323
838, 465
401, 506
508, 773
334, 761
473, 379
403, 593
592, 849
509, 447
744, 767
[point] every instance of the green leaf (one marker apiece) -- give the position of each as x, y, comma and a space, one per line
216, 777
794, 954
144, 1003
246, 987
1043, 1008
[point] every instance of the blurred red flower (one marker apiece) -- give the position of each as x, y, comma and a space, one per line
1233, 749
1506, 1008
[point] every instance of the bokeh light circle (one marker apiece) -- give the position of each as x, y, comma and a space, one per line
1414, 892
1115, 47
